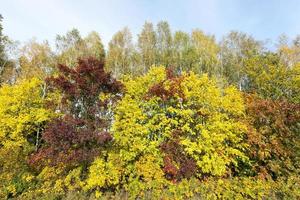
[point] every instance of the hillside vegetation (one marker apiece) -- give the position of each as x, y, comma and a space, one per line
174, 115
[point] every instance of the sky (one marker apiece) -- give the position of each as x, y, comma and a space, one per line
44, 19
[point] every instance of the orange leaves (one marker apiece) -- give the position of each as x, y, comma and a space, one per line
272, 133
168, 88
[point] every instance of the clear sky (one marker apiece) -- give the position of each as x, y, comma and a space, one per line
43, 19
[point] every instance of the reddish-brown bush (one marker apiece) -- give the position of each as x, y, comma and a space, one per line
81, 133
273, 135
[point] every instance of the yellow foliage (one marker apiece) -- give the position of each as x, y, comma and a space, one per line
22, 117
208, 116
104, 174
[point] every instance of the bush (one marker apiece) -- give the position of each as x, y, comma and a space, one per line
168, 128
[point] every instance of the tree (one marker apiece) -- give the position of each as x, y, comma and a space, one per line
2, 54
206, 53
184, 52
147, 42
23, 117
120, 53
189, 113
164, 44
236, 48
7, 66
81, 132
68, 47
36, 60
273, 136
269, 78
94, 46
289, 53
170, 128
72, 46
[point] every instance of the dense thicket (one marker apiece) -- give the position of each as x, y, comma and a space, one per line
170, 116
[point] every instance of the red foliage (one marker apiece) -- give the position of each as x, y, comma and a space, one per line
273, 135
82, 85
166, 94
70, 141
80, 135
177, 164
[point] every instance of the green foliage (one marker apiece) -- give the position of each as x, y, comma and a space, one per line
164, 44
120, 56
184, 53
269, 78
205, 53
147, 44
7, 66
72, 46
236, 49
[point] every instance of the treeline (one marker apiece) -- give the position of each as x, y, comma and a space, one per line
172, 116
233, 60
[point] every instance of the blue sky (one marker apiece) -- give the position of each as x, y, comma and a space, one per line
43, 19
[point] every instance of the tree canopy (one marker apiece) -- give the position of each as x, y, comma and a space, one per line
163, 115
